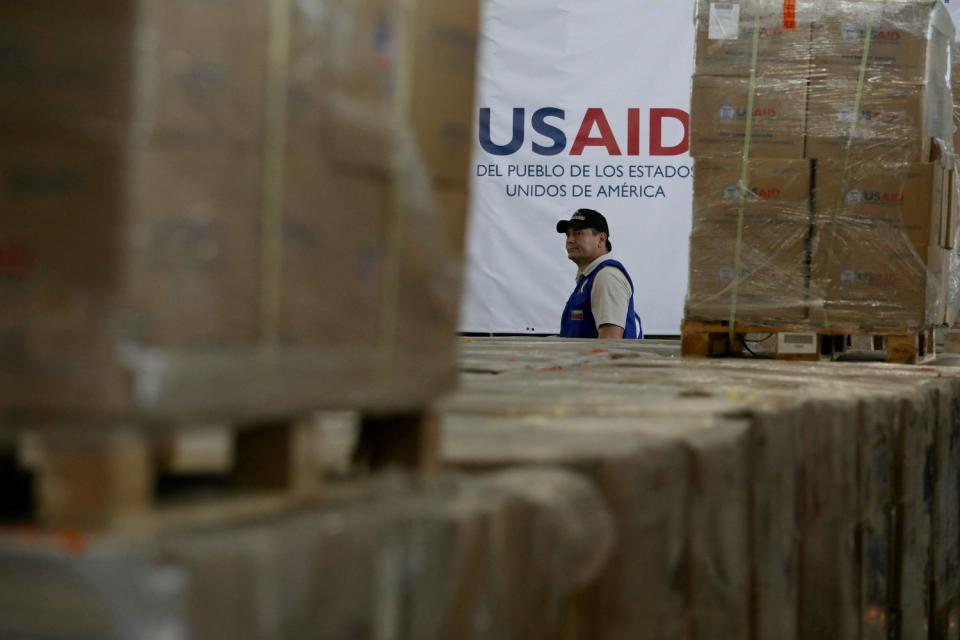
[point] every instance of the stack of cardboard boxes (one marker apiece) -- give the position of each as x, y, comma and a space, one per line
857, 94
271, 193
774, 192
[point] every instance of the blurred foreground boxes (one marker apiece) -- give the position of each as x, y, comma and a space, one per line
230, 209
502, 556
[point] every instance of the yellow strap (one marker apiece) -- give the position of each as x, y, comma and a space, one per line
743, 185
844, 172
271, 222
400, 189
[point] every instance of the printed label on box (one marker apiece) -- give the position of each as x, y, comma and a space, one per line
797, 343
724, 21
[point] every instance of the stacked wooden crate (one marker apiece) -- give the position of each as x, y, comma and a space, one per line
848, 230
237, 211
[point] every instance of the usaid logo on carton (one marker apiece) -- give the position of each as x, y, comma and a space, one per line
725, 274
857, 196
729, 113
732, 192
854, 196
845, 115
851, 277
855, 33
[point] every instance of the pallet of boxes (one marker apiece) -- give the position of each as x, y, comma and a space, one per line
238, 212
952, 334
823, 207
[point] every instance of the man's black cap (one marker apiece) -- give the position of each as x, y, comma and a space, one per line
584, 219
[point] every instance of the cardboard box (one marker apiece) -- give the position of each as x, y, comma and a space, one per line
182, 571
895, 123
162, 275
907, 41
724, 32
877, 259
718, 117
416, 63
155, 68
116, 261
777, 188
869, 196
873, 279
442, 113
772, 288
453, 206
955, 94
948, 210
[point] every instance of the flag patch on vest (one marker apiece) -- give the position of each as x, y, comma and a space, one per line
576, 314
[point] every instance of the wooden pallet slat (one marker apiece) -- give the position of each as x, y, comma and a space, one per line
410, 440
104, 477
98, 478
711, 339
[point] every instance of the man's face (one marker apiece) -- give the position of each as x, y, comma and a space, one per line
585, 245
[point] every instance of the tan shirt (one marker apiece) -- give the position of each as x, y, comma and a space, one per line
611, 293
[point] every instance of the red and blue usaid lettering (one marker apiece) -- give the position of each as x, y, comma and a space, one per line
594, 119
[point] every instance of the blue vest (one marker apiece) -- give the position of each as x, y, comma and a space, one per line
578, 320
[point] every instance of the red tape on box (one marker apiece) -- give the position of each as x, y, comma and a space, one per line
789, 15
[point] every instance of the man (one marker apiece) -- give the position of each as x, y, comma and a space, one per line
601, 305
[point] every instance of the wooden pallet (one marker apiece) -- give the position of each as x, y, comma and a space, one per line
107, 477
797, 342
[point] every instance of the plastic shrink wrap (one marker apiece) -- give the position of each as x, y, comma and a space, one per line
230, 208
824, 167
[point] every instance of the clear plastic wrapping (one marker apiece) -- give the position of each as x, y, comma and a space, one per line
262, 189
857, 94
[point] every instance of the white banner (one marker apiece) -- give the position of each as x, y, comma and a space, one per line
580, 104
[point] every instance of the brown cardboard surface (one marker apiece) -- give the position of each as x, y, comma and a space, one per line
876, 260
133, 235
380, 556
906, 40
893, 195
157, 67
773, 273
69, 70
369, 83
453, 204
778, 188
718, 117
894, 124
193, 217
63, 231
873, 278
829, 580
781, 52
441, 103
951, 209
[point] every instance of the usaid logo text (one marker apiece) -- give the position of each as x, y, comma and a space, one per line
857, 196
854, 277
854, 33
732, 192
845, 115
594, 131
729, 113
